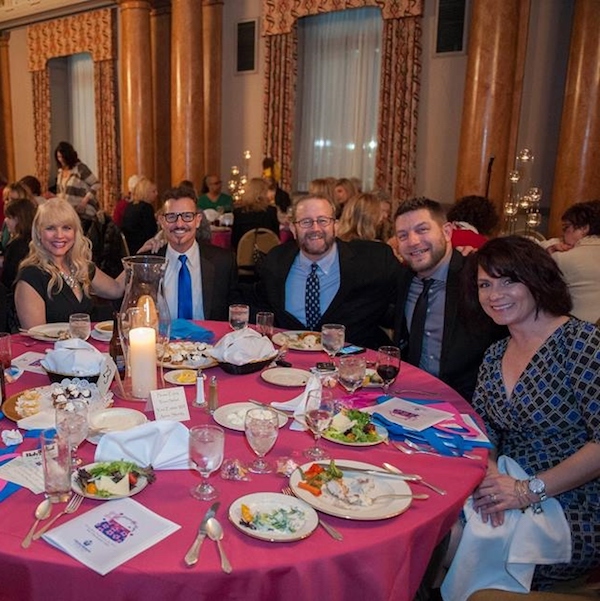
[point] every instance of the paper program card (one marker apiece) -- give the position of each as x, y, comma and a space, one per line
410, 415
170, 404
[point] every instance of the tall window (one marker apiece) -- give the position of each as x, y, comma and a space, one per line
338, 93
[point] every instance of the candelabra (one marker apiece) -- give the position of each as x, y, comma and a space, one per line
238, 180
523, 200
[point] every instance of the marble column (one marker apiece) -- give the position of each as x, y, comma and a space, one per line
212, 15
137, 122
577, 172
7, 153
493, 85
160, 27
187, 103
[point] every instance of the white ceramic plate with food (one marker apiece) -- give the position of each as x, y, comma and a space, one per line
381, 433
233, 415
104, 327
299, 340
100, 336
141, 483
205, 363
49, 332
285, 376
380, 509
113, 419
182, 377
372, 379
273, 517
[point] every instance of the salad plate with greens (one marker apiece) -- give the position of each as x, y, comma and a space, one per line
354, 428
107, 480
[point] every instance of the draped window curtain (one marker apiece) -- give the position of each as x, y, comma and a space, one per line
395, 161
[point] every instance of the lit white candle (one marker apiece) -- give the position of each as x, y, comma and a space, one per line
142, 349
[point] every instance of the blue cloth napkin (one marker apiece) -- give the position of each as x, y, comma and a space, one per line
182, 329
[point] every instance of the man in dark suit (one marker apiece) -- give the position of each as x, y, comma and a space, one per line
210, 284
355, 281
444, 345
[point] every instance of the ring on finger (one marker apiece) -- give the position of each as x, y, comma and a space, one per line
493, 497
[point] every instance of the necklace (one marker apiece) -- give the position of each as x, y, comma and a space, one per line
70, 279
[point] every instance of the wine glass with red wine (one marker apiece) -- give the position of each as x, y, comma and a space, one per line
388, 365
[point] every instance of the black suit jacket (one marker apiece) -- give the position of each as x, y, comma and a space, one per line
463, 341
219, 280
368, 276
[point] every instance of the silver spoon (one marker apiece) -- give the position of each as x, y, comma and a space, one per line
215, 532
394, 470
42, 511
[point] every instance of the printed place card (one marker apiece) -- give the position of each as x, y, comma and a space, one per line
170, 404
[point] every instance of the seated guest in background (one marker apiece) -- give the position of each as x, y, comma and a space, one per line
429, 327
360, 219
122, 203
201, 279
34, 186
18, 216
279, 197
578, 257
473, 219
323, 188
343, 191
253, 211
211, 196
139, 223
57, 276
538, 393
385, 230
317, 279
12, 192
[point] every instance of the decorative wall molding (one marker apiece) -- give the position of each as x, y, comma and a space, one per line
17, 13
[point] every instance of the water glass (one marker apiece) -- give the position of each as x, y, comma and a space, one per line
333, 337
5, 350
72, 424
352, 372
80, 326
239, 316
318, 415
264, 323
56, 463
207, 447
261, 427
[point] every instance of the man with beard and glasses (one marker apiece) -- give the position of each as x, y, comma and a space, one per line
200, 279
429, 327
317, 279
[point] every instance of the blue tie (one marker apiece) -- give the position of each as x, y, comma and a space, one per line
312, 299
185, 308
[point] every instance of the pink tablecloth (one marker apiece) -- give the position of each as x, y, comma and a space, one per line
221, 237
378, 560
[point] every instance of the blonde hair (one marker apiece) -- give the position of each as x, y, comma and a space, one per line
57, 212
360, 218
348, 186
19, 188
141, 191
255, 197
322, 187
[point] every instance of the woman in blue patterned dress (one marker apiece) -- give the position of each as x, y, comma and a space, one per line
538, 392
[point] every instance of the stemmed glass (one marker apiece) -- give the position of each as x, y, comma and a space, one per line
318, 415
72, 424
207, 446
388, 365
352, 372
261, 427
333, 338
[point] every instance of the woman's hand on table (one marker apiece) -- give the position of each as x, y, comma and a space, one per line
496, 493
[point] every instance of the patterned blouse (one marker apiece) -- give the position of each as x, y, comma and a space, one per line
74, 186
553, 411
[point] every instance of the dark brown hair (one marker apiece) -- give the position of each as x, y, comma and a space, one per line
23, 210
416, 204
479, 211
584, 213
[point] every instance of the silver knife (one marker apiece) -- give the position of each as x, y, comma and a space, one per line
191, 557
408, 477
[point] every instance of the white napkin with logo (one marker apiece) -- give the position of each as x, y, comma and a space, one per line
162, 444
74, 357
505, 557
298, 404
243, 346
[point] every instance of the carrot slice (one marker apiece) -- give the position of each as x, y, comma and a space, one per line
313, 490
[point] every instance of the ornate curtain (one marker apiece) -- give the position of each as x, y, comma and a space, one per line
93, 32
396, 155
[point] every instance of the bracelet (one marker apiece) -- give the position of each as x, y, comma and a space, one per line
522, 492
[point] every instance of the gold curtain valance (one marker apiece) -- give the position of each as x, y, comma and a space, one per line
85, 32
279, 16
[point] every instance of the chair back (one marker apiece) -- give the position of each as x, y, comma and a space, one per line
251, 244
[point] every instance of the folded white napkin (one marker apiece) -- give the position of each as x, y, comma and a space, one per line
505, 557
298, 404
74, 357
243, 346
226, 219
161, 444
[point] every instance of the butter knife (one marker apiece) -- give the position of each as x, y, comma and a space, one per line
372, 472
191, 557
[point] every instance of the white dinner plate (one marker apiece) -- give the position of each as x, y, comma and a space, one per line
305, 518
232, 416
140, 485
285, 376
204, 364
296, 340
182, 377
381, 431
100, 336
105, 327
367, 383
380, 510
113, 419
49, 331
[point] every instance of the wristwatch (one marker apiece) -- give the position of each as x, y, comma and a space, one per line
537, 487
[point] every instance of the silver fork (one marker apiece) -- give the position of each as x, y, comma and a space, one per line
414, 449
286, 490
71, 507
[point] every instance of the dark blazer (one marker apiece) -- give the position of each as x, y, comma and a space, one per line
463, 341
368, 275
219, 280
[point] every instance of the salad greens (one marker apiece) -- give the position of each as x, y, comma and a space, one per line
282, 519
362, 429
89, 478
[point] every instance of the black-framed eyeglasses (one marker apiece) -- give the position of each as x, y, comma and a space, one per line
320, 221
186, 216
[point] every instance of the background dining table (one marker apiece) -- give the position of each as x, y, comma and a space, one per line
377, 560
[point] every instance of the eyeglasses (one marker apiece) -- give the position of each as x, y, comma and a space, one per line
320, 221
186, 216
